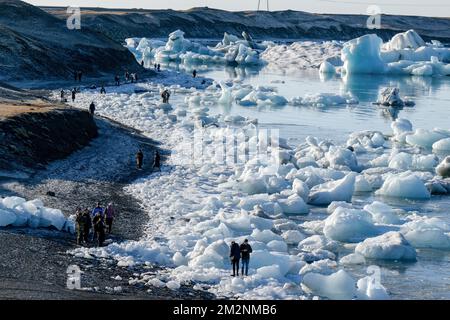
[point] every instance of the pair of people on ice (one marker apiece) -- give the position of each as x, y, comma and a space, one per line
165, 95
140, 160
240, 252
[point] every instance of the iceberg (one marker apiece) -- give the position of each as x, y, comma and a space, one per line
230, 51
404, 185
443, 169
339, 285
349, 225
401, 55
339, 190
389, 246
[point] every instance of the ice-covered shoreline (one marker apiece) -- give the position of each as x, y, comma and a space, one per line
196, 211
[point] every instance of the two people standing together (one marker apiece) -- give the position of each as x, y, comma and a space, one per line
240, 252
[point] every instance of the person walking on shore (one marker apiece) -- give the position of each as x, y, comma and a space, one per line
117, 80
102, 90
92, 108
109, 216
139, 159
246, 249
99, 228
194, 73
159, 67
87, 225
235, 256
157, 162
63, 96
74, 93
80, 225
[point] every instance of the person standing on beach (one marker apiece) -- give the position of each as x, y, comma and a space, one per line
92, 108
97, 209
235, 256
165, 95
99, 228
117, 80
80, 221
87, 225
96, 212
246, 249
194, 73
102, 90
74, 93
159, 67
109, 216
157, 162
139, 159
63, 96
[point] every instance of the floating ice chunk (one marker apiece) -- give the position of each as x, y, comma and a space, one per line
442, 145
301, 189
353, 258
317, 242
226, 98
263, 258
326, 67
324, 100
339, 285
389, 246
293, 205
268, 272
336, 204
370, 289
382, 213
325, 266
443, 169
427, 233
265, 236
293, 236
316, 255
340, 190
400, 128
341, 158
390, 97
424, 138
349, 225
362, 185
405, 40
277, 245
404, 185
362, 55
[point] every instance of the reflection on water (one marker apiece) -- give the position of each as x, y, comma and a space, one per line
429, 277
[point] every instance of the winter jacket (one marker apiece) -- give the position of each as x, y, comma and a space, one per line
246, 249
235, 251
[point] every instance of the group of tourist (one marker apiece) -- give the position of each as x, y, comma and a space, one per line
95, 220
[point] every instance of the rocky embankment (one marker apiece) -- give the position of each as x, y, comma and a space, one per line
119, 24
33, 139
35, 45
